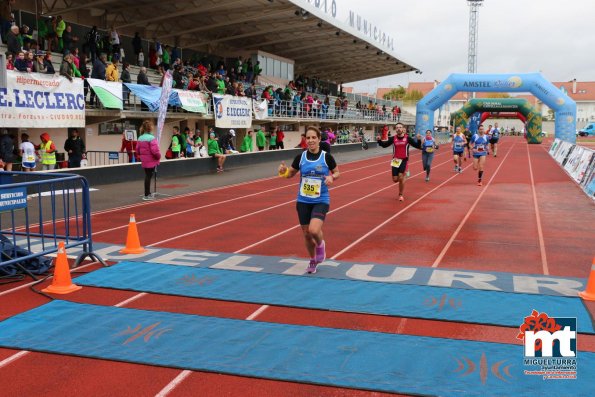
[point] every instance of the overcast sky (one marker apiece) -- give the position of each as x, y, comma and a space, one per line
514, 36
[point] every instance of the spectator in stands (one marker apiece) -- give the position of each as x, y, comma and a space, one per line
27, 152
12, 41
129, 145
148, 151
92, 41
6, 151
137, 45
6, 18
20, 63
59, 28
215, 151
52, 39
111, 71
165, 58
247, 143
48, 63
115, 43
67, 40
257, 70
26, 37
126, 79
261, 139
9, 62
76, 60
47, 151
66, 67
75, 147
39, 64
140, 59
99, 67
142, 77
30, 59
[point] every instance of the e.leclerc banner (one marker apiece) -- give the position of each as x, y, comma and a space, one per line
108, 92
33, 100
232, 111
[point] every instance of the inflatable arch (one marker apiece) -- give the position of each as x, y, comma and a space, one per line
502, 115
532, 116
564, 108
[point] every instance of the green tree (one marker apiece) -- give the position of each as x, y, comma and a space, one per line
413, 95
396, 93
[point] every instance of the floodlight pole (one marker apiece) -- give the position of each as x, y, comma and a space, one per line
472, 52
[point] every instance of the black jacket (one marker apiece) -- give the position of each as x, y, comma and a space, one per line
77, 145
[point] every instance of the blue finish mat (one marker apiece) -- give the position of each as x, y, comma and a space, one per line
325, 356
471, 306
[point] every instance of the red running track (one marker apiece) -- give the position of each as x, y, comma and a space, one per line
529, 217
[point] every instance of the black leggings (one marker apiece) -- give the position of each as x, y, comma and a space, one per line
148, 177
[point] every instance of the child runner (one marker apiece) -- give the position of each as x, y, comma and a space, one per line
318, 170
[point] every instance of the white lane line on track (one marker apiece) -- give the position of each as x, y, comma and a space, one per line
102, 212
213, 204
544, 265
359, 240
468, 214
185, 373
330, 212
13, 358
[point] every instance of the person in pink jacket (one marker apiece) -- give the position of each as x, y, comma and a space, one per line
147, 148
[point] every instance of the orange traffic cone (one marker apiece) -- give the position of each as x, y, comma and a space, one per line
132, 240
589, 293
62, 283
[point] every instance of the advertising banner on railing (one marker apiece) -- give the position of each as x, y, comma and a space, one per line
33, 100
232, 111
148, 94
193, 101
108, 92
260, 109
578, 161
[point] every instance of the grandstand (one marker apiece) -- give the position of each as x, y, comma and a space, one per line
289, 38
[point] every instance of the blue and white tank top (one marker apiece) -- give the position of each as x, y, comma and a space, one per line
312, 174
458, 143
428, 145
480, 145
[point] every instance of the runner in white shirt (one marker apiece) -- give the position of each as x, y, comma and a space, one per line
27, 151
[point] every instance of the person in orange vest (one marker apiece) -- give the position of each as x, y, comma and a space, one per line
47, 152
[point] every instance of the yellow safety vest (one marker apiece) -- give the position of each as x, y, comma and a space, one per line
47, 158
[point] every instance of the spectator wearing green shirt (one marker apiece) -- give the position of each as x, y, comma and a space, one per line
60, 28
273, 141
215, 151
261, 140
247, 143
176, 143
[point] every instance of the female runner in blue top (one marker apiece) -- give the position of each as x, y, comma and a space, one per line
428, 145
318, 170
479, 144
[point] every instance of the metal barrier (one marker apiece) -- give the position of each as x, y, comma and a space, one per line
39, 210
96, 157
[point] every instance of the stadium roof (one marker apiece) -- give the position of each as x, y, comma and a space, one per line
320, 44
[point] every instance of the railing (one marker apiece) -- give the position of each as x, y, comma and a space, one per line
96, 157
39, 210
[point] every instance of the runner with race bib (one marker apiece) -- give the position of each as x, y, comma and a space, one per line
400, 144
27, 151
459, 142
479, 143
428, 146
318, 170
494, 138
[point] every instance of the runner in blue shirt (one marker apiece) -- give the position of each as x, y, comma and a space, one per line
428, 145
458, 149
479, 143
318, 170
494, 139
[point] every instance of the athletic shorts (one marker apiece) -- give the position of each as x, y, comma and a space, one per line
28, 165
493, 141
307, 211
458, 153
400, 169
478, 155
